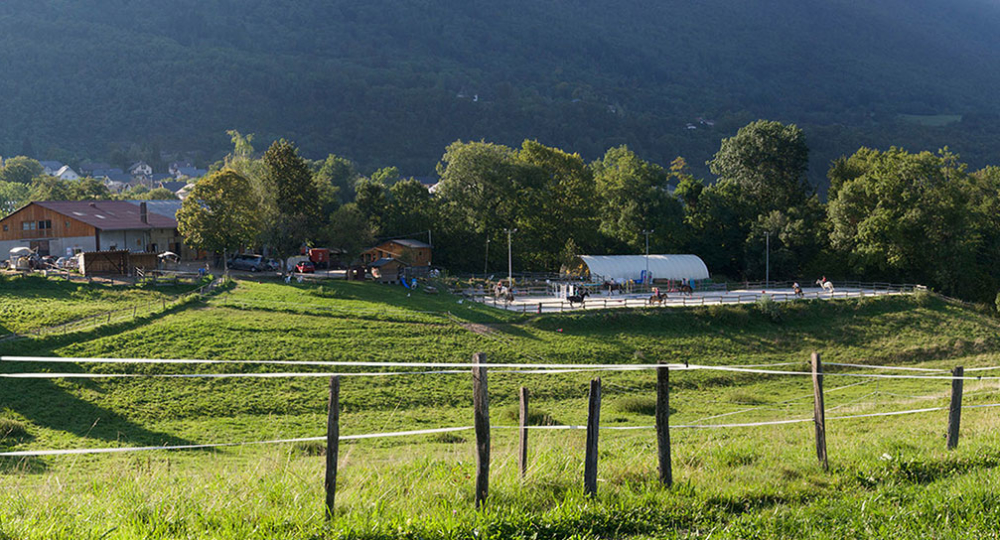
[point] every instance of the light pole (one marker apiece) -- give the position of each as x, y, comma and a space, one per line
647, 233
510, 264
767, 259
486, 261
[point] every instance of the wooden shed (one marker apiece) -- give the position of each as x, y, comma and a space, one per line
387, 270
116, 263
410, 252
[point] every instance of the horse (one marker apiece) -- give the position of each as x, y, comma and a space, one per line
684, 288
798, 291
826, 284
504, 294
578, 299
657, 298
612, 287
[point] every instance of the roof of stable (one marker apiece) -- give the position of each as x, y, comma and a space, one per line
409, 243
386, 260
109, 215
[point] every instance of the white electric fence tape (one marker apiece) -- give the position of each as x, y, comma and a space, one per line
38, 453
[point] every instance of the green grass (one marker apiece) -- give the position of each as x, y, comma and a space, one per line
31, 302
890, 477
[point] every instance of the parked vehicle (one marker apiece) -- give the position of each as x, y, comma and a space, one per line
67, 263
253, 263
305, 267
320, 257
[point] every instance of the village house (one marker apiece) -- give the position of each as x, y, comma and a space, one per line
140, 170
410, 252
62, 228
49, 168
66, 173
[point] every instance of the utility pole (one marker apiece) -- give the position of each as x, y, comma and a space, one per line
486, 262
647, 233
767, 260
510, 264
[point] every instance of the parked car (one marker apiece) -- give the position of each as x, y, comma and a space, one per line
305, 267
67, 263
253, 263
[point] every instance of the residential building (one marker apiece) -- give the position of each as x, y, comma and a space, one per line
49, 168
66, 173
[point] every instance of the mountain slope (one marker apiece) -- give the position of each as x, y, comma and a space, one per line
392, 82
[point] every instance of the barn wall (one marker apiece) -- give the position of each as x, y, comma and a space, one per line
57, 247
11, 227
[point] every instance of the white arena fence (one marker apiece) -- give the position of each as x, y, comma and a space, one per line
539, 300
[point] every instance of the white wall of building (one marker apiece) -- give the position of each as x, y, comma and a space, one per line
57, 246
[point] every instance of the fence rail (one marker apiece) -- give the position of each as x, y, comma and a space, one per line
847, 290
482, 426
111, 316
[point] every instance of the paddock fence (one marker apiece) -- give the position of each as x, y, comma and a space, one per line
115, 315
853, 374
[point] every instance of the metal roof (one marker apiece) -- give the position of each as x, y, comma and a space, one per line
409, 243
164, 207
109, 215
625, 267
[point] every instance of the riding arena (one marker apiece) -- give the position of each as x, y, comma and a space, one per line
619, 281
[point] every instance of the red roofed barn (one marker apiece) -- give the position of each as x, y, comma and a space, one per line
62, 228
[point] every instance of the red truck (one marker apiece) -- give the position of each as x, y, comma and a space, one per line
320, 257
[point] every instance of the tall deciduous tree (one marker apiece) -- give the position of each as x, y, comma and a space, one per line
340, 174
906, 215
220, 214
291, 200
634, 198
768, 162
20, 169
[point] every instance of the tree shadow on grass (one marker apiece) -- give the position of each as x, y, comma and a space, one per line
48, 404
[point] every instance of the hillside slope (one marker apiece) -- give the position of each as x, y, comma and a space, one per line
394, 82
890, 476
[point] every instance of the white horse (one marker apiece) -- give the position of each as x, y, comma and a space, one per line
827, 285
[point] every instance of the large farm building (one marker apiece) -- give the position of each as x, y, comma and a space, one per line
66, 227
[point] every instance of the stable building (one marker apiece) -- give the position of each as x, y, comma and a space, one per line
63, 228
410, 252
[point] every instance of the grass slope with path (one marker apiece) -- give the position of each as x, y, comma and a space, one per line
890, 476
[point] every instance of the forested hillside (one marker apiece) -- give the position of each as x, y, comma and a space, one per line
394, 82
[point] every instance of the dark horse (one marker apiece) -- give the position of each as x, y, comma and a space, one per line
684, 288
612, 287
578, 299
657, 298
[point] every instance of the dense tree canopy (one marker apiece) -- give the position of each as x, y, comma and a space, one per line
220, 214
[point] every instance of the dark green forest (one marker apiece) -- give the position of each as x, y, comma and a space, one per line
391, 83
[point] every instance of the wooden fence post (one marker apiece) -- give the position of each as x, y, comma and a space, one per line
332, 444
955, 409
663, 424
593, 426
523, 455
819, 413
481, 411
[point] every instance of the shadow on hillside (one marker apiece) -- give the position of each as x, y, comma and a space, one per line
49, 405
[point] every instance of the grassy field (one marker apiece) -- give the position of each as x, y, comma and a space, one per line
890, 476
31, 302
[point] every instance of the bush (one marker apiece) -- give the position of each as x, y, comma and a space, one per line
769, 308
